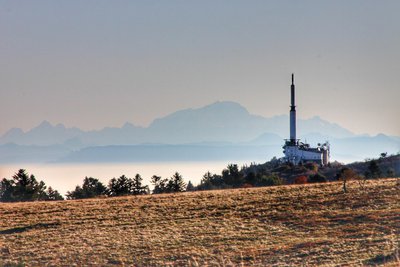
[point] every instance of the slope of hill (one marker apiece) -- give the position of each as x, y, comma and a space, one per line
286, 225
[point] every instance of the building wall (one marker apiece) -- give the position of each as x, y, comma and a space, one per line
296, 155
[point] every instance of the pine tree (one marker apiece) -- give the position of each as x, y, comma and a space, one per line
190, 186
91, 187
176, 183
160, 185
25, 187
53, 194
137, 187
120, 187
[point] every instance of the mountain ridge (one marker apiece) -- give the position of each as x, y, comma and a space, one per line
221, 121
220, 131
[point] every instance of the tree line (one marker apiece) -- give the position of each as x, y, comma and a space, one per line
25, 187
125, 186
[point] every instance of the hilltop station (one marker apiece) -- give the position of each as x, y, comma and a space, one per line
298, 152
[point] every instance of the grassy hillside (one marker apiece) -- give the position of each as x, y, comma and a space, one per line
287, 225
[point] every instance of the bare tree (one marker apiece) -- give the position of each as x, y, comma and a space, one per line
345, 175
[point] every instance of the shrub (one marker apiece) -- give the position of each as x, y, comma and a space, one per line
301, 180
247, 186
374, 170
311, 166
270, 180
317, 178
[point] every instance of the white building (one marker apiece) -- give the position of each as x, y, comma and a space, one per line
297, 152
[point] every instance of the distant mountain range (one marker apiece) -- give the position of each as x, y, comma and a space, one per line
218, 122
226, 127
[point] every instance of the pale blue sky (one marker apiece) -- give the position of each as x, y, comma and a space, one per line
97, 63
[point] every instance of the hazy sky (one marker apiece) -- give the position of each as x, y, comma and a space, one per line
98, 63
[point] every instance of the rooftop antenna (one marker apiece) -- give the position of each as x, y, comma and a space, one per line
292, 113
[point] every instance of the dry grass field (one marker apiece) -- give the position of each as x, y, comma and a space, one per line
287, 225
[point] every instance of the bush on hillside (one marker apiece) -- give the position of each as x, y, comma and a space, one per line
270, 180
311, 166
390, 172
301, 179
374, 170
317, 178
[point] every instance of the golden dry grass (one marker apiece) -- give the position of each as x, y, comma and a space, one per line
286, 225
